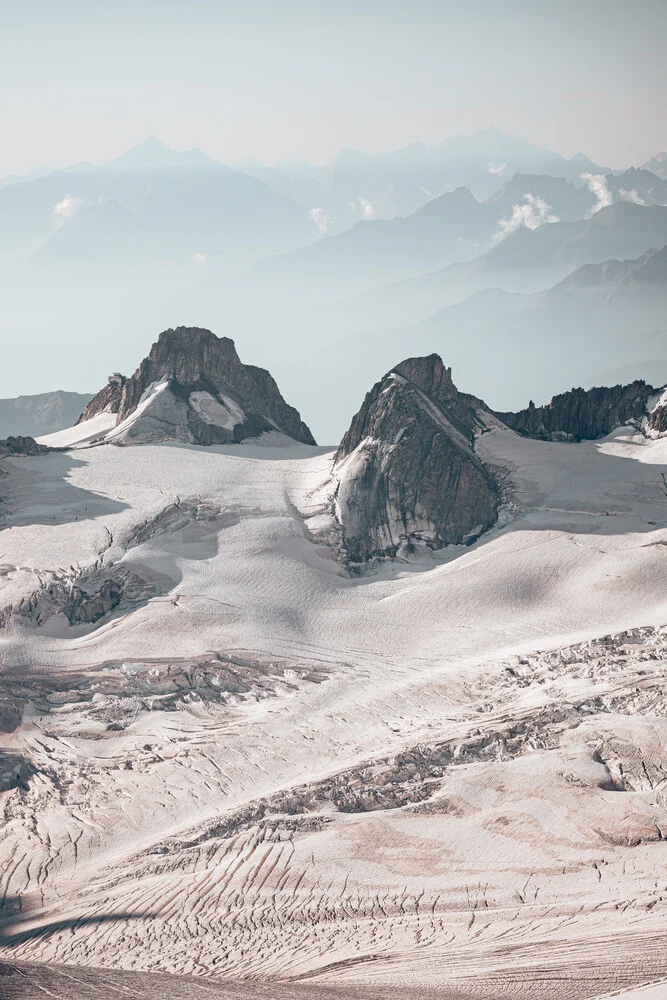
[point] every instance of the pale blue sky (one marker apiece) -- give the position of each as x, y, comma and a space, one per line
271, 79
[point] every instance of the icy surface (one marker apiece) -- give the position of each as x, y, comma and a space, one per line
212, 412
254, 765
81, 434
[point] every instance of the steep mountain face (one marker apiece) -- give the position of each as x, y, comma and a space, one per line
44, 413
583, 414
193, 387
657, 419
407, 469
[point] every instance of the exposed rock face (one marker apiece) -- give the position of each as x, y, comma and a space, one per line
193, 387
657, 419
107, 400
583, 413
407, 467
21, 446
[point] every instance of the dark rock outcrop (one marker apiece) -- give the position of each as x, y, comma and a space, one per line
193, 387
407, 467
107, 400
21, 446
657, 419
583, 414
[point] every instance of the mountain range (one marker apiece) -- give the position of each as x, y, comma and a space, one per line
98, 254
150, 203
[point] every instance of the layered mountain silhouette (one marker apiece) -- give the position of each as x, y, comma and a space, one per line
452, 227
355, 183
602, 323
104, 252
153, 204
525, 260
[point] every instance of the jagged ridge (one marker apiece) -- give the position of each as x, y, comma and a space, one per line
583, 414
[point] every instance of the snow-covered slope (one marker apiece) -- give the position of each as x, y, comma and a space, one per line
224, 756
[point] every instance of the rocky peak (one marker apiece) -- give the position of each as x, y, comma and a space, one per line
429, 374
583, 414
407, 469
192, 386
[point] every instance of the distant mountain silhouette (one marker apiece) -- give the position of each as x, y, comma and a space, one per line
449, 228
40, 414
602, 324
356, 185
152, 154
152, 201
657, 165
525, 261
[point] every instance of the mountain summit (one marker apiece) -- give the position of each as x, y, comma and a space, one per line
153, 154
193, 387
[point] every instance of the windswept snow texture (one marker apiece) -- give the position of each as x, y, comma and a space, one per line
224, 757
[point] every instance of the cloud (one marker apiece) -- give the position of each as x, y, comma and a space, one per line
497, 168
321, 219
632, 196
67, 208
199, 258
534, 213
367, 209
597, 185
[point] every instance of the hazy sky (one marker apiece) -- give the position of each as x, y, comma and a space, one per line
273, 79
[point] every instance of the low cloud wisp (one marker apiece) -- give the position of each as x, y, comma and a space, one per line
67, 208
534, 213
321, 220
598, 186
632, 196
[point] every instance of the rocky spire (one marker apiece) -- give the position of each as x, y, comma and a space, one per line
407, 468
